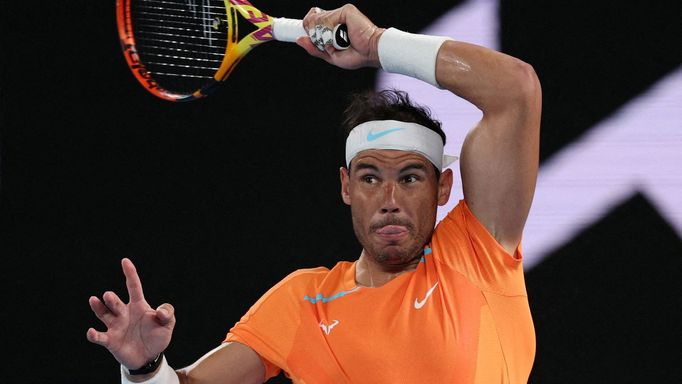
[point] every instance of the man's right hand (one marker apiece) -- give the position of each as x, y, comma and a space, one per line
136, 333
362, 33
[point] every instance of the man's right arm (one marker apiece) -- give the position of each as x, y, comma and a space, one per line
230, 363
137, 333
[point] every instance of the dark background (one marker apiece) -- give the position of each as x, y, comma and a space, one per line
217, 200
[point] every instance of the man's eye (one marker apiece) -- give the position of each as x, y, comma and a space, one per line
410, 179
369, 179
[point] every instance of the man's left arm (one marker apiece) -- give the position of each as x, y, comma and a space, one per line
500, 156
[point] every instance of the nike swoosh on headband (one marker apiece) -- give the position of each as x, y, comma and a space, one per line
371, 136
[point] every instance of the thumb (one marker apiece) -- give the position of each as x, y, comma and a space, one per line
165, 314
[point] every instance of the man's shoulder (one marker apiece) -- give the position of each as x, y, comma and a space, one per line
316, 276
455, 219
305, 275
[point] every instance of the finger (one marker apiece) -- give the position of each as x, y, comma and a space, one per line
133, 282
101, 310
98, 338
113, 303
104, 311
310, 17
165, 314
327, 18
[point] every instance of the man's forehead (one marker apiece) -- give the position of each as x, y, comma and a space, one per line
388, 157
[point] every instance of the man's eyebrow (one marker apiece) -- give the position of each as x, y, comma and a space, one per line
360, 166
413, 166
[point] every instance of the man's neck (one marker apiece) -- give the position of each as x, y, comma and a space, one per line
370, 273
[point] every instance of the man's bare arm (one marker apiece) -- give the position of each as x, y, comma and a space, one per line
499, 159
500, 155
230, 363
135, 332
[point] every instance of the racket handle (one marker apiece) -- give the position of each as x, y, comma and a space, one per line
288, 30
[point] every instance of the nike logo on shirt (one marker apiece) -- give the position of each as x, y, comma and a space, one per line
418, 304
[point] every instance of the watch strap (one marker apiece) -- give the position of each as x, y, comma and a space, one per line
150, 367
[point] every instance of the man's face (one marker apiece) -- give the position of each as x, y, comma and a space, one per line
394, 196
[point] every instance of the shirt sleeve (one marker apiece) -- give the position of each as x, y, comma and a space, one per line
270, 325
462, 243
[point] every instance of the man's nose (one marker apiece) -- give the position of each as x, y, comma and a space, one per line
390, 201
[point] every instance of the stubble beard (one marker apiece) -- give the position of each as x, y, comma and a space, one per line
392, 256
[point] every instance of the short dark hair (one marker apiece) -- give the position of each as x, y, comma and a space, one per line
389, 104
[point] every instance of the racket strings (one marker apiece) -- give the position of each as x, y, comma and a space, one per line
182, 43
191, 4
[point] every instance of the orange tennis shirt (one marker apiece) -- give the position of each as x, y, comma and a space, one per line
461, 317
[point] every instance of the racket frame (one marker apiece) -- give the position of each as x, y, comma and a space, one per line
235, 48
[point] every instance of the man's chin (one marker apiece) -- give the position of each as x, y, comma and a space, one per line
394, 254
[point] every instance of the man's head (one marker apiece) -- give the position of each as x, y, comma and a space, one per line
387, 105
393, 188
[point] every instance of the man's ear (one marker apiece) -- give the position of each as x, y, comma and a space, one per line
444, 186
344, 176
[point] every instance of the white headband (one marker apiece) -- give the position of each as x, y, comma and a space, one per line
393, 134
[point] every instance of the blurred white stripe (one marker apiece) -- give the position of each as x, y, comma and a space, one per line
638, 149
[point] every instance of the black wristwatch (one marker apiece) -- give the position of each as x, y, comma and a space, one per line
150, 367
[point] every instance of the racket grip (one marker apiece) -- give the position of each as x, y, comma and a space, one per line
288, 30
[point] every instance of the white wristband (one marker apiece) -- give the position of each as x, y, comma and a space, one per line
410, 54
165, 375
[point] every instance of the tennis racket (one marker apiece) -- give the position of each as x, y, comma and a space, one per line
181, 50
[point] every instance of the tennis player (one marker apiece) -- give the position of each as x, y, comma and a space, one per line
420, 304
